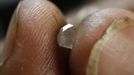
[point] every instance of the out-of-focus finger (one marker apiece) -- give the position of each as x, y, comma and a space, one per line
88, 33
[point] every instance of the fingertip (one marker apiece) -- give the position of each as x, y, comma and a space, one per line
31, 40
89, 32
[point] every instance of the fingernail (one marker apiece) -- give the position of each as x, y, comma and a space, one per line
100, 52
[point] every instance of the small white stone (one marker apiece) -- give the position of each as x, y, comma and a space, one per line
66, 36
66, 27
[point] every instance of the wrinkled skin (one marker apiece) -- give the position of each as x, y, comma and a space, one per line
89, 32
31, 47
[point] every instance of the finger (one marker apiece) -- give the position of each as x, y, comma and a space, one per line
125, 4
88, 33
77, 16
31, 46
1, 50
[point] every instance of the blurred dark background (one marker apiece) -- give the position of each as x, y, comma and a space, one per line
6, 9
8, 6
66, 5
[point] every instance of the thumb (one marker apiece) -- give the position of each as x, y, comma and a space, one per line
103, 44
31, 47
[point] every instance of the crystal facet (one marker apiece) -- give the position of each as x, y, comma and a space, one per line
66, 36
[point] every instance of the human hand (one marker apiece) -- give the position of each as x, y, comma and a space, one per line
31, 46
